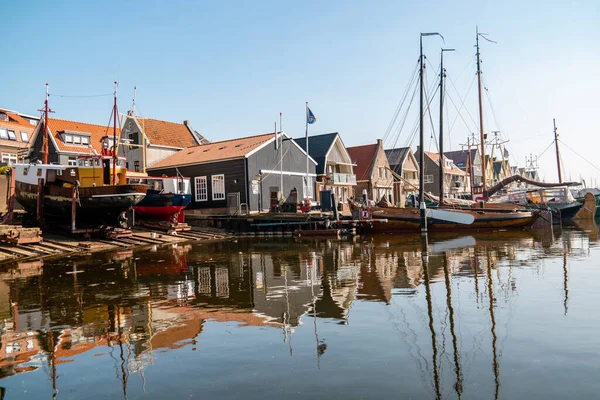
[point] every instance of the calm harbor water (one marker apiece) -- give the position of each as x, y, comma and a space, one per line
482, 316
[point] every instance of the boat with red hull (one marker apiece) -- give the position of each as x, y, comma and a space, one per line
166, 198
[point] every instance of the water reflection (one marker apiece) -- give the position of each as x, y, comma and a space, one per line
123, 310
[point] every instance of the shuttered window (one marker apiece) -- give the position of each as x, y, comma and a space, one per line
218, 187
200, 188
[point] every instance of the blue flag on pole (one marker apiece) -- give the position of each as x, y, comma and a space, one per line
310, 117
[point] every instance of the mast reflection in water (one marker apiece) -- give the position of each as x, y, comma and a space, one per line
499, 315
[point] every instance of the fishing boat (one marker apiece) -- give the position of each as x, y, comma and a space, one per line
166, 198
97, 202
94, 190
445, 217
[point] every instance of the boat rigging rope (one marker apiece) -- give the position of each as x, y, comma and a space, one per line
582, 157
462, 104
80, 96
401, 103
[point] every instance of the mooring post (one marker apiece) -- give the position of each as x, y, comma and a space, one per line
11, 197
73, 208
40, 202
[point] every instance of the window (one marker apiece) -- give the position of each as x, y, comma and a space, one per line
428, 179
11, 135
3, 134
24, 136
218, 187
85, 140
68, 138
201, 188
72, 160
33, 122
9, 158
76, 139
307, 188
136, 165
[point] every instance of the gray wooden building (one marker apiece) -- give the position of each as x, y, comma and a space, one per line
248, 169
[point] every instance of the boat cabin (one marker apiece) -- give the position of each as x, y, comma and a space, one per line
162, 184
97, 170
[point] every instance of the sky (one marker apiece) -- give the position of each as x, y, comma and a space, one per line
231, 67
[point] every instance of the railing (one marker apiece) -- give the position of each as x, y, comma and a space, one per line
344, 178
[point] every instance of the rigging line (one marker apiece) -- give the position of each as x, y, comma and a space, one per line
496, 119
416, 125
458, 114
547, 147
405, 117
80, 96
461, 98
401, 103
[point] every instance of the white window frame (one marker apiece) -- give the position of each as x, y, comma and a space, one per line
428, 179
9, 158
85, 140
200, 188
3, 133
218, 187
12, 135
68, 138
25, 136
72, 161
76, 139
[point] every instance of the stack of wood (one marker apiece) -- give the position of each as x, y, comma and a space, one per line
16, 235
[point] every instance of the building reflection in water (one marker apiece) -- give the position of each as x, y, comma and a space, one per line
129, 305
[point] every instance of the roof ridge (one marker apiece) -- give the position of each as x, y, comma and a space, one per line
79, 122
231, 140
159, 120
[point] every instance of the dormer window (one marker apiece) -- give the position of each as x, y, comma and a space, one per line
25, 136
76, 138
11, 135
3, 117
3, 133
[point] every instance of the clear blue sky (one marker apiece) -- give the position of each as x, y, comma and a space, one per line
230, 67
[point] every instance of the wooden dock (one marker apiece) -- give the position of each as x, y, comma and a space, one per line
57, 244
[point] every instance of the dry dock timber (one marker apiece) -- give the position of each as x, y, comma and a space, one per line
56, 244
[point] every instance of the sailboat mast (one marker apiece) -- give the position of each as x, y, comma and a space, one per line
45, 137
557, 152
482, 136
114, 166
442, 76
421, 143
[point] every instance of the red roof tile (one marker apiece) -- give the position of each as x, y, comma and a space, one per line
363, 157
216, 151
96, 131
164, 133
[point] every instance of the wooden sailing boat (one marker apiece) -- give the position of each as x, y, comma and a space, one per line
95, 189
442, 218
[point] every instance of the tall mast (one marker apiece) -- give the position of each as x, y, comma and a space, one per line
281, 153
114, 179
422, 207
442, 76
557, 153
421, 143
481, 134
45, 135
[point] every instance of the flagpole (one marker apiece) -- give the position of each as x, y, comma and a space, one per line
306, 122
281, 154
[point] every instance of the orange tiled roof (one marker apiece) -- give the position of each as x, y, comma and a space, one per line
436, 159
164, 133
216, 151
15, 120
364, 157
96, 132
